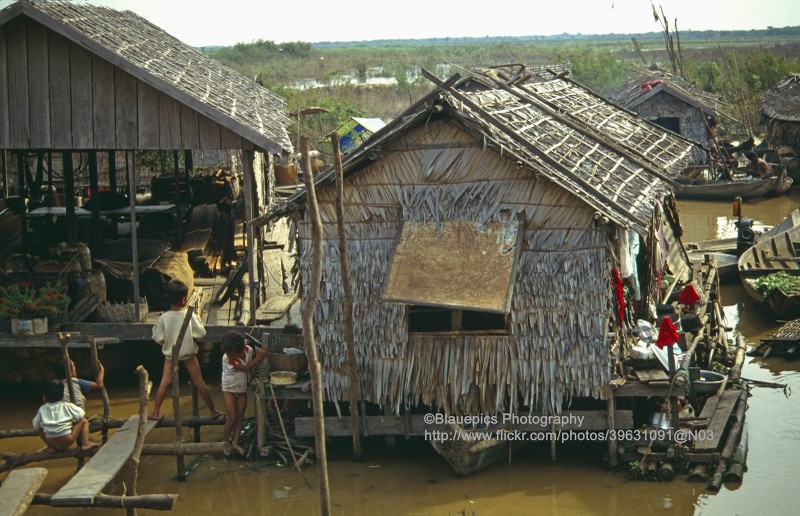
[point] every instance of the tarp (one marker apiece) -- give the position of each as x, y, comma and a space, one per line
352, 133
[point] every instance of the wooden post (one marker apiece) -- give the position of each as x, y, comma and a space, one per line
673, 400
553, 440
178, 207
612, 443
352, 367
133, 464
249, 215
94, 186
176, 390
309, 304
188, 163
130, 167
64, 340
195, 412
103, 391
112, 170
23, 195
69, 197
4, 166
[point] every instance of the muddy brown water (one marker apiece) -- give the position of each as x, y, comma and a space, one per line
411, 479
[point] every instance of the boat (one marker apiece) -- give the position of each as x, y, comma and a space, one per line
726, 263
776, 254
728, 190
469, 451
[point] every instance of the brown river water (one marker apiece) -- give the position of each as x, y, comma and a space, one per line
411, 479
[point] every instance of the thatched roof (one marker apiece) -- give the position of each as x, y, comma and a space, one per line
613, 160
148, 53
631, 94
782, 102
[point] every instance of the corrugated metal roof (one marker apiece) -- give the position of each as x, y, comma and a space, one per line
161, 60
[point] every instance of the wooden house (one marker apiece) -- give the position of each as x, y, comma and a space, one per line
79, 80
780, 112
671, 102
483, 226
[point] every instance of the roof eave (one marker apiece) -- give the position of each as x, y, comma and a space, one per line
253, 136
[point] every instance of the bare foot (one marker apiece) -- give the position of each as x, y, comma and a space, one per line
50, 450
155, 417
91, 445
216, 414
238, 449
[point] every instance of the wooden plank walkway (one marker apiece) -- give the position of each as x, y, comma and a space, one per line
719, 420
102, 468
18, 490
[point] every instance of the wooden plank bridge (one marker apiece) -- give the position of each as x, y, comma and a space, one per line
84, 487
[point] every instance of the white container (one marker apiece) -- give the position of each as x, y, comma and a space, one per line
21, 326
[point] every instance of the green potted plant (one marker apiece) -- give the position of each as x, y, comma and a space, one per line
29, 308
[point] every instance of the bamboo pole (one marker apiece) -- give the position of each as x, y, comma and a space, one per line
736, 369
153, 502
103, 391
734, 434
352, 367
133, 462
309, 304
296, 461
176, 391
130, 167
115, 422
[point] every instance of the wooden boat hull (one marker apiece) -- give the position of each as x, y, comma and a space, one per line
778, 253
727, 190
469, 456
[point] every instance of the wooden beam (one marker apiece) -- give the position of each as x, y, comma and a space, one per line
130, 167
94, 187
249, 213
414, 425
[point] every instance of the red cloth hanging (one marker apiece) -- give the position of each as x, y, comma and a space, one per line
689, 296
667, 333
620, 295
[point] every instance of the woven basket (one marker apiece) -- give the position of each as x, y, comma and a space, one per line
283, 362
120, 312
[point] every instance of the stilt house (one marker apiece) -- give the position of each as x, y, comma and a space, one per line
78, 81
483, 227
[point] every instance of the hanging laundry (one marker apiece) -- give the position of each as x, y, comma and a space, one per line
667, 333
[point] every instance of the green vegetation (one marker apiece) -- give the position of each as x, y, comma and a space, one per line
789, 285
737, 65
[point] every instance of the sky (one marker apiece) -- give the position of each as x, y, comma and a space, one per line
226, 22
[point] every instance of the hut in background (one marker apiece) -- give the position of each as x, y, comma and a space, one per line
780, 113
483, 226
671, 102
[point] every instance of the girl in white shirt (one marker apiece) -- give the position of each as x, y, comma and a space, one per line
237, 361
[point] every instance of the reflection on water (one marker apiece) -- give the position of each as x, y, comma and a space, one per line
412, 479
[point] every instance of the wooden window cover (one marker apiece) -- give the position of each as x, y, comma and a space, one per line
457, 266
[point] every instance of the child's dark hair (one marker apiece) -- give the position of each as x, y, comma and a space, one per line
233, 341
58, 368
53, 391
176, 291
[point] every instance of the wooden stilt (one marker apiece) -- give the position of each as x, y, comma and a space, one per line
309, 305
22, 162
252, 252
195, 413
612, 443
133, 463
352, 367
103, 391
130, 167
69, 198
94, 186
112, 170
176, 390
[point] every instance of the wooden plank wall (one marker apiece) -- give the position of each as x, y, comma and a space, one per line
55, 94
